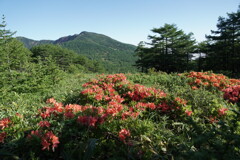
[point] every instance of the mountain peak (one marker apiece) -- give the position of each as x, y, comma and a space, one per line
115, 55
66, 38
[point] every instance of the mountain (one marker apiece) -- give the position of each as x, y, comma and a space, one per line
116, 56
29, 43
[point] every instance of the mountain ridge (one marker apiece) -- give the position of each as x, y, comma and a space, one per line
115, 55
63, 39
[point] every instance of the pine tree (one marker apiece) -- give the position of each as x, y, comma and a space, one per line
168, 50
14, 56
224, 44
5, 35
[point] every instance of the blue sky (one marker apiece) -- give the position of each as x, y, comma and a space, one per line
128, 21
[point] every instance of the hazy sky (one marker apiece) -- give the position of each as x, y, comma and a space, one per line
128, 21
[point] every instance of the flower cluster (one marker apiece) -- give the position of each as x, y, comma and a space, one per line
123, 134
44, 124
4, 123
230, 87
209, 80
140, 92
47, 139
122, 98
232, 94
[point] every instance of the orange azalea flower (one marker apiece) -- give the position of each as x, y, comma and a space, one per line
98, 97
44, 124
216, 85
49, 139
151, 106
205, 83
181, 101
188, 112
51, 101
213, 119
198, 81
222, 111
45, 144
34, 133
123, 134
4, 123
194, 87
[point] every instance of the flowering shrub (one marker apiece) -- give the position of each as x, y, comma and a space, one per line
232, 94
210, 80
230, 87
4, 123
116, 118
123, 134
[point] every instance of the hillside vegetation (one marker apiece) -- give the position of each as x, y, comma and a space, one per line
114, 55
136, 116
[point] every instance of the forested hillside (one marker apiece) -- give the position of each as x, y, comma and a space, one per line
114, 55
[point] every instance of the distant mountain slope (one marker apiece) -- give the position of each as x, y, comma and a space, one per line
29, 43
116, 56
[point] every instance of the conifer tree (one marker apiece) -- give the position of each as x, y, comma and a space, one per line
224, 44
168, 50
14, 56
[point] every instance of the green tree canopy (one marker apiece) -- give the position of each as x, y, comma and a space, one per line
224, 45
66, 58
14, 56
168, 50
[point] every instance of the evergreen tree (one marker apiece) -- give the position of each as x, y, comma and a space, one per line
14, 56
168, 50
224, 45
5, 35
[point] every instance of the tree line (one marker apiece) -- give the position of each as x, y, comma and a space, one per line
26, 71
170, 49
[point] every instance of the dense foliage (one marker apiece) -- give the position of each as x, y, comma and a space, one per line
117, 117
223, 45
114, 55
169, 50
66, 59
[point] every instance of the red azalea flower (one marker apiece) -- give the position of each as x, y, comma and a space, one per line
123, 134
222, 111
98, 97
194, 87
45, 144
51, 100
49, 139
213, 119
69, 114
4, 123
151, 106
44, 124
34, 133
188, 112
